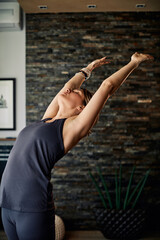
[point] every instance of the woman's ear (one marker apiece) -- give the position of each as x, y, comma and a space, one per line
80, 108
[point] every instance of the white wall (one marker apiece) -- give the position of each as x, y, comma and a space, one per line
12, 65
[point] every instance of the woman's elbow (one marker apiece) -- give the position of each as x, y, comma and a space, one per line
108, 86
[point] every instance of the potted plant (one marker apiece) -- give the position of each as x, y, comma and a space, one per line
120, 218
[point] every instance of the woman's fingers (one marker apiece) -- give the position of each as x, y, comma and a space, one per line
105, 60
99, 62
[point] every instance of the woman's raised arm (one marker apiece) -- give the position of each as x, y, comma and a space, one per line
85, 120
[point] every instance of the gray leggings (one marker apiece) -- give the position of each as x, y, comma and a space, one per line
28, 226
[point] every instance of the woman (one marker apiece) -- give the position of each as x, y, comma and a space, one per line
26, 192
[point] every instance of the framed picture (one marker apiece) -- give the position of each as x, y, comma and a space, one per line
7, 104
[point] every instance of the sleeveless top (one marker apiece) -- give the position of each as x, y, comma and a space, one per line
25, 184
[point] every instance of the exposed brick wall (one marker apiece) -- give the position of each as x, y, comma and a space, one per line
58, 45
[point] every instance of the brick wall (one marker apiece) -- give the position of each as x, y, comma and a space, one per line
58, 45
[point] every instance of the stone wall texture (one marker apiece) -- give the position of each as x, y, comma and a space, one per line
128, 131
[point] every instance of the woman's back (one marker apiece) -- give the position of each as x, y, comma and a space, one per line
26, 183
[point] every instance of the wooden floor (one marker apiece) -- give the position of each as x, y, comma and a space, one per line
86, 235
96, 235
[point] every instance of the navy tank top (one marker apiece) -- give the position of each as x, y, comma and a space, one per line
25, 184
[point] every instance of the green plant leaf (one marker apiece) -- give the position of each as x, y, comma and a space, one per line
128, 188
105, 187
116, 190
98, 189
135, 190
141, 188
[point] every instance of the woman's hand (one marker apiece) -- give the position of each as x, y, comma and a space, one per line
140, 57
97, 63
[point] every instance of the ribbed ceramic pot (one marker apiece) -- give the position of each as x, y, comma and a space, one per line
120, 224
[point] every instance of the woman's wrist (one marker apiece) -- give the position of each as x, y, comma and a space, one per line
80, 73
134, 63
90, 67
86, 72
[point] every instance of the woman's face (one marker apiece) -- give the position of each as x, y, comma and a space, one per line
72, 98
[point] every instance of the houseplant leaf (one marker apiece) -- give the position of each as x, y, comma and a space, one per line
99, 190
105, 187
128, 188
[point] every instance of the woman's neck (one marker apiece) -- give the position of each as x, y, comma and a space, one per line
65, 114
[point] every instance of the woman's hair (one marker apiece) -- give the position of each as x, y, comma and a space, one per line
87, 96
